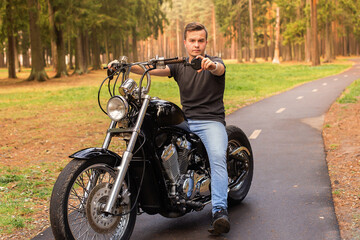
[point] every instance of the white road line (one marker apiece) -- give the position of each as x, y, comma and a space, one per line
324, 84
314, 90
280, 110
255, 134
300, 97
335, 79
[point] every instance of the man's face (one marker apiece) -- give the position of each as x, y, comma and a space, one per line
195, 43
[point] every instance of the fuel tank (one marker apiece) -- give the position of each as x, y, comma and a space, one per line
165, 113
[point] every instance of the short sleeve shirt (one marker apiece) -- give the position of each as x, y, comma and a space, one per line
201, 93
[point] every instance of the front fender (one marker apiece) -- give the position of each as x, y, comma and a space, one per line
90, 153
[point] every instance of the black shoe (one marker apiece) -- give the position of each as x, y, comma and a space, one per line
220, 223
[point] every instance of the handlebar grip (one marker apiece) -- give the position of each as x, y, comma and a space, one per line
173, 61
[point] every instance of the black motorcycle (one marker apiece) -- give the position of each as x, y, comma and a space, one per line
164, 169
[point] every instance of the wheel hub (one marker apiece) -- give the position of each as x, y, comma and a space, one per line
98, 220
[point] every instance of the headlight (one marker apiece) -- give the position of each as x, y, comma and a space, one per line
117, 108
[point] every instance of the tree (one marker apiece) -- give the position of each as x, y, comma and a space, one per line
10, 38
251, 33
277, 38
37, 67
315, 57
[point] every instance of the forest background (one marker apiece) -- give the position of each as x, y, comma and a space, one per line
75, 36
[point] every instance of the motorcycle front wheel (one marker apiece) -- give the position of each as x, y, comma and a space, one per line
79, 196
240, 164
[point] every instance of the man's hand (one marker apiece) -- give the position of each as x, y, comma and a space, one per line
216, 69
206, 64
113, 65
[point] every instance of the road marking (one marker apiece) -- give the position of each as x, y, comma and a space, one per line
345, 75
324, 84
255, 134
314, 90
280, 110
335, 79
300, 97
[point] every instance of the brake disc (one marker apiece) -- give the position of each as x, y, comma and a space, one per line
98, 220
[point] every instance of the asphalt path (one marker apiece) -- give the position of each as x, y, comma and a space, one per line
290, 197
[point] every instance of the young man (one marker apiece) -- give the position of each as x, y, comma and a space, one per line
201, 94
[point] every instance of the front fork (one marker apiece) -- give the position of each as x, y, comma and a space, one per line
127, 156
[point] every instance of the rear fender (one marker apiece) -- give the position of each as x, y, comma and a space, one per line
91, 153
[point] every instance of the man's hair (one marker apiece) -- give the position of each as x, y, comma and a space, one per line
194, 26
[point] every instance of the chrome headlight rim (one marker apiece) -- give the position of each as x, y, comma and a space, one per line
117, 108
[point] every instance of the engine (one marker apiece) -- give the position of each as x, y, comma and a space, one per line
188, 181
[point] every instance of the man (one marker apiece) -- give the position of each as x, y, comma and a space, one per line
201, 94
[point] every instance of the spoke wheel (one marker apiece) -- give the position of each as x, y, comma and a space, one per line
77, 211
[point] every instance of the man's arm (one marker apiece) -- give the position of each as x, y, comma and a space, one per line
139, 70
156, 72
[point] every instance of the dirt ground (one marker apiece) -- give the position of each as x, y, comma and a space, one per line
342, 144
341, 137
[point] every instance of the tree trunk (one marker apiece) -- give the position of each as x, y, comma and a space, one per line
308, 36
60, 48
107, 58
277, 38
252, 43
288, 52
70, 52
177, 38
37, 58
134, 44
95, 50
80, 56
2, 60
266, 47
214, 30
54, 57
247, 50
315, 58
17, 60
328, 57
11, 41
240, 54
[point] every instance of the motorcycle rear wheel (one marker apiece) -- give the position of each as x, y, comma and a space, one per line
240, 166
80, 194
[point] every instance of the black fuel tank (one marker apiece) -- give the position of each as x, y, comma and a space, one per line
166, 113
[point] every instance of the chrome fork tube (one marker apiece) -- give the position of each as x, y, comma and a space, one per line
94, 175
108, 136
126, 158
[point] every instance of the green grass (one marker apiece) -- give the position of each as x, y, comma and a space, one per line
20, 189
352, 94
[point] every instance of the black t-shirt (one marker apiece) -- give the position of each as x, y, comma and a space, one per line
201, 93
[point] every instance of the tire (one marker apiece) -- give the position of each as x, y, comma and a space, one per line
240, 164
75, 212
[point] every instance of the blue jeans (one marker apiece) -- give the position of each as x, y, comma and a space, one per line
213, 135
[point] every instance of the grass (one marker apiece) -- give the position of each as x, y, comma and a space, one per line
20, 190
352, 93
23, 190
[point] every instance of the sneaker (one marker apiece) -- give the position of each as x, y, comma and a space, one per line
220, 223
